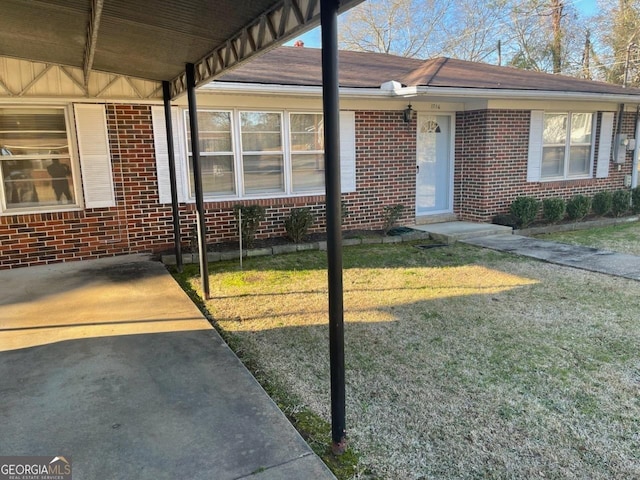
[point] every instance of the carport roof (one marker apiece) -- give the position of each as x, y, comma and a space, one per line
152, 39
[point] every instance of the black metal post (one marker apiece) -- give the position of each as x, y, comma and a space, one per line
166, 92
197, 178
331, 106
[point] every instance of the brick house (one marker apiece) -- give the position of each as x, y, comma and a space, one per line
85, 171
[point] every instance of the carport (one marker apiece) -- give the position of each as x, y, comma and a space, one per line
184, 44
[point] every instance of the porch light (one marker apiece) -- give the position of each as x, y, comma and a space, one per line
408, 114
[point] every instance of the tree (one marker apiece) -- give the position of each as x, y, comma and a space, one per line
475, 28
619, 25
547, 36
409, 28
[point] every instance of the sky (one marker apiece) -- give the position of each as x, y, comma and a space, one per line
312, 38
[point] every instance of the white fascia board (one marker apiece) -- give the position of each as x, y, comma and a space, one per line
409, 92
290, 90
488, 93
67, 100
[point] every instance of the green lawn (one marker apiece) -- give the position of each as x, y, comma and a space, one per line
623, 238
461, 363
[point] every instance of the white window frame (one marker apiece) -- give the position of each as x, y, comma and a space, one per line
73, 161
231, 153
347, 156
292, 152
567, 148
241, 153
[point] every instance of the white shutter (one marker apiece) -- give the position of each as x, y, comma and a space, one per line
348, 151
162, 156
95, 159
534, 165
604, 149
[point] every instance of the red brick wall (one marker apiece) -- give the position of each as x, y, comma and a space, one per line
490, 171
137, 223
491, 164
385, 176
385, 148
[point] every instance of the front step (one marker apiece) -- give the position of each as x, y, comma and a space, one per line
451, 232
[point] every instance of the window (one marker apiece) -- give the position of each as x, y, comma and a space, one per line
216, 153
566, 145
257, 151
35, 160
307, 152
262, 152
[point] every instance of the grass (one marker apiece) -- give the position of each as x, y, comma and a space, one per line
619, 238
460, 362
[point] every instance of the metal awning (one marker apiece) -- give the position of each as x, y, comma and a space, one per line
152, 39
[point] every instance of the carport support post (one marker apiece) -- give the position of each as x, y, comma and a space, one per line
197, 178
331, 106
166, 93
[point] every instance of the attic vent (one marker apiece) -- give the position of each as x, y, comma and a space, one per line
430, 127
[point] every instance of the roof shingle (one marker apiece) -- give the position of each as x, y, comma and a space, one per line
301, 66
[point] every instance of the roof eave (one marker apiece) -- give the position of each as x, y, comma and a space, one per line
289, 90
411, 92
491, 93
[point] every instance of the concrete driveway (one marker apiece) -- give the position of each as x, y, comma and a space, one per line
109, 362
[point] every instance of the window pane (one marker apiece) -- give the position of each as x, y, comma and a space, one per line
579, 160
35, 164
218, 176
552, 161
214, 132
37, 183
308, 172
581, 128
307, 132
555, 128
263, 173
261, 132
33, 132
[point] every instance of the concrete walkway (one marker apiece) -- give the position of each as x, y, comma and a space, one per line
110, 363
586, 258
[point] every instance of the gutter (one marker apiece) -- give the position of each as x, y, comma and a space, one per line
411, 92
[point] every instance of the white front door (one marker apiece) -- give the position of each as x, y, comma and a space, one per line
434, 172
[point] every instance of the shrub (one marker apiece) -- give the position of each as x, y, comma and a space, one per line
252, 215
553, 209
635, 200
601, 204
344, 210
525, 210
578, 207
298, 223
392, 214
620, 202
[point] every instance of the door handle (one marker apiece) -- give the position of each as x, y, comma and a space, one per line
417, 169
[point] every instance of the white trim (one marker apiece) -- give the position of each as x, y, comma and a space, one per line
416, 91
450, 166
347, 154
348, 151
162, 155
511, 94
606, 142
95, 156
534, 159
634, 172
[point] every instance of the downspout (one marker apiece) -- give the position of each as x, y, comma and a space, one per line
331, 111
166, 93
634, 172
197, 179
